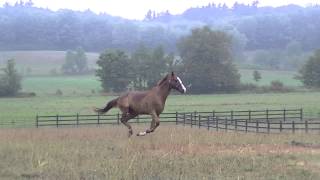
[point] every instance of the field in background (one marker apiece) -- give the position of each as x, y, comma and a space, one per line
169, 153
69, 85
47, 62
286, 77
86, 83
41, 62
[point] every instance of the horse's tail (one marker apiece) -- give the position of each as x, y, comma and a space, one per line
110, 105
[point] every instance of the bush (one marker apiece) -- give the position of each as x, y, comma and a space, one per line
276, 86
59, 92
10, 80
309, 74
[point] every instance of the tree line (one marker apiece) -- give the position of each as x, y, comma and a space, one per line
205, 63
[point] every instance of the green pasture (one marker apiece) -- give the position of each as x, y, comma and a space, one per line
69, 85
25, 109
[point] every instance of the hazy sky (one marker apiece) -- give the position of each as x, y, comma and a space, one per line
136, 9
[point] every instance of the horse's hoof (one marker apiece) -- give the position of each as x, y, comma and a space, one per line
141, 134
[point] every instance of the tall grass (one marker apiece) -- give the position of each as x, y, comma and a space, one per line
169, 153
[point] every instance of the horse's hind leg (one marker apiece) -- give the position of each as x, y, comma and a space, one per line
124, 120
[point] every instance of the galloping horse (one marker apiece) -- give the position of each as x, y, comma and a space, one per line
150, 102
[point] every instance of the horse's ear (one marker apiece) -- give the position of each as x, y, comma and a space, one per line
172, 74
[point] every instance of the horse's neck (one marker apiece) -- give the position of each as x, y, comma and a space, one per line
163, 91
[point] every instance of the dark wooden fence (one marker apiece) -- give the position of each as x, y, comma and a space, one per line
258, 125
96, 119
260, 121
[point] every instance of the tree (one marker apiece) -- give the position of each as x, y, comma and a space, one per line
207, 61
256, 75
157, 66
10, 80
114, 70
309, 73
75, 62
149, 65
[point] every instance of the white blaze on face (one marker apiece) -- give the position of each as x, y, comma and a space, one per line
183, 87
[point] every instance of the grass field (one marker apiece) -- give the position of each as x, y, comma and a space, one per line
69, 85
169, 153
25, 109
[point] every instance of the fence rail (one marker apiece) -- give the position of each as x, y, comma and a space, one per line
77, 120
260, 121
257, 126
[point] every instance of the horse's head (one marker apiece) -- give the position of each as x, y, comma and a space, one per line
176, 83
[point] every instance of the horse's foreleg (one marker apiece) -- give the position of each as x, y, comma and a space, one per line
154, 123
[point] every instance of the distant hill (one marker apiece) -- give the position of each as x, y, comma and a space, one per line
24, 27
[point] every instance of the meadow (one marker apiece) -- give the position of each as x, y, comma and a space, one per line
169, 153
172, 152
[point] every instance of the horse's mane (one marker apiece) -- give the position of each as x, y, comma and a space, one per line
162, 80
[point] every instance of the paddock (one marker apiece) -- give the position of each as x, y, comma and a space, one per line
257, 121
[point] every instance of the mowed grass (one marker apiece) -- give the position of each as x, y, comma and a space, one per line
26, 109
68, 85
171, 152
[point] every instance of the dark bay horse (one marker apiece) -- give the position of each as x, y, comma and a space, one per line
150, 102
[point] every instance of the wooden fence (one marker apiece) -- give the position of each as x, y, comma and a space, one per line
96, 119
260, 121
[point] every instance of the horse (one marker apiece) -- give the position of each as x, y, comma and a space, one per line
150, 102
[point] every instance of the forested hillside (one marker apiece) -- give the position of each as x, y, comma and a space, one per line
26, 27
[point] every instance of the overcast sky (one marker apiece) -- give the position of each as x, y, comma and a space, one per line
136, 9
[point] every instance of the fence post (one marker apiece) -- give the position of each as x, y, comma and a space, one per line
77, 119
280, 126
246, 125
231, 116
301, 114
138, 119
293, 127
249, 116
98, 119
37, 121
176, 118
57, 120
184, 119
268, 126
199, 121
191, 119
306, 126
226, 123
236, 124
257, 126
118, 118
267, 114
217, 123
284, 115
208, 122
